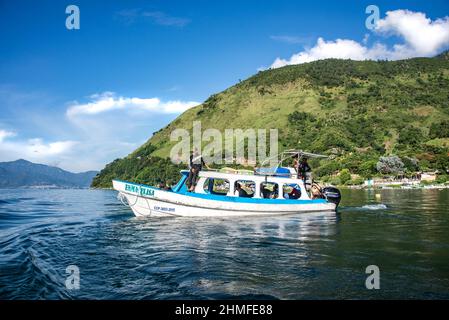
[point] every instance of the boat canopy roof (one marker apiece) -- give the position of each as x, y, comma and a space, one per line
302, 154
278, 170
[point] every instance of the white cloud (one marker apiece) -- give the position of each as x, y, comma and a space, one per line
33, 149
130, 16
365, 38
164, 19
110, 126
108, 101
81, 136
41, 149
5, 134
421, 35
340, 48
291, 39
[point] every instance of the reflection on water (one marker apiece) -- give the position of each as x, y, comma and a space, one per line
309, 256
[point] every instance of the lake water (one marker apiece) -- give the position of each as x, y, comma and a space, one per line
405, 233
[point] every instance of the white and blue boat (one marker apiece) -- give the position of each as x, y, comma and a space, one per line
267, 192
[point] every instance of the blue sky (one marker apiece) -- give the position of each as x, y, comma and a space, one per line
81, 98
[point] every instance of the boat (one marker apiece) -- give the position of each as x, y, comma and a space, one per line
272, 191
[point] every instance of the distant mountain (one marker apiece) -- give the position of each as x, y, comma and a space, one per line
22, 173
444, 55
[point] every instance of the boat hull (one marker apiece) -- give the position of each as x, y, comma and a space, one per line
148, 201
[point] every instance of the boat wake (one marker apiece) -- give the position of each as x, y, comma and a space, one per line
379, 206
366, 207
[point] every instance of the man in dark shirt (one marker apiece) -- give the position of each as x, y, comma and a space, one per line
301, 166
196, 165
304, 167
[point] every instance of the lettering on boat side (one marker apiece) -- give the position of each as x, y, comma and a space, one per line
139, 189
146, 192
164, 209
131, 188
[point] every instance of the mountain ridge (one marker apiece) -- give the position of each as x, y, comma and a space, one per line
23, 173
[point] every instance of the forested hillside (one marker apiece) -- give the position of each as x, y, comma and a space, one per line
354, 111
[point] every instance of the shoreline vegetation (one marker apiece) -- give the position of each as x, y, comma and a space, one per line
372, 118
397, 186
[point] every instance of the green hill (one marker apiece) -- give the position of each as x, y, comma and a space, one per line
355, 111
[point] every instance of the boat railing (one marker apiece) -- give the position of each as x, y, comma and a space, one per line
276, 170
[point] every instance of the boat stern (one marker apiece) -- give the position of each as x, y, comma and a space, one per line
332, 195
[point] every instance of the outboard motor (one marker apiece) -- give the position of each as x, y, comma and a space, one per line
332, 194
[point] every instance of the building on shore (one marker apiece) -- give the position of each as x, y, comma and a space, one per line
400, 180
429, 176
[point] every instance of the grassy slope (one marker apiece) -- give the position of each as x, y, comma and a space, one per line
354, 110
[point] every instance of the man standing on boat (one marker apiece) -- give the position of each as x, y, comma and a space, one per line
196, 165
301, 166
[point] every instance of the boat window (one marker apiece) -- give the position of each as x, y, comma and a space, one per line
291, 191
216, 186
269, 190
244, 188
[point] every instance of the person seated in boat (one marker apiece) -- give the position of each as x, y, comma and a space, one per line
266, 193
196, 165
274, 193
169, 185
293, 194
316, 192
240, 192
165, 186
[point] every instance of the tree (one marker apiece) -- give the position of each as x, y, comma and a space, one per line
439, 130
391, 164
344, 176
411, 163
368, 168
327, 169
442, 161
298, 118
410, 136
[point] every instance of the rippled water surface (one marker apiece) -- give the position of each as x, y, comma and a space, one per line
320, 256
